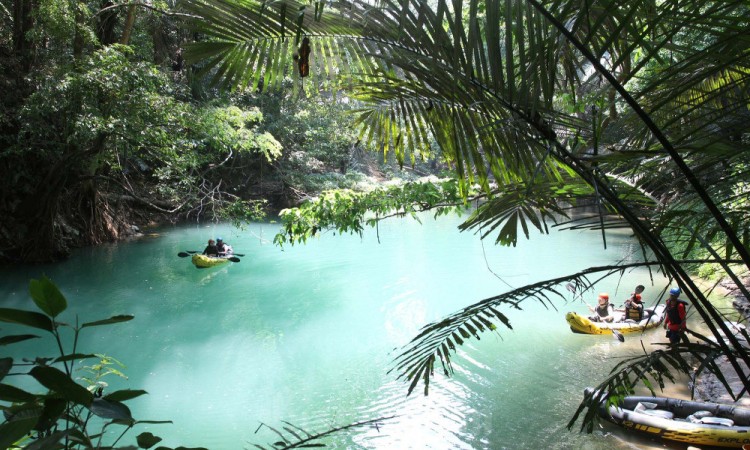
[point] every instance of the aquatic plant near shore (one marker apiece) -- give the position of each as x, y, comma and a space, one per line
62, 415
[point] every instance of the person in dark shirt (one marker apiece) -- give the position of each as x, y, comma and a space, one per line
211, 249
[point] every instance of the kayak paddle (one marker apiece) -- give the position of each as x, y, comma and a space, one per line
190, 252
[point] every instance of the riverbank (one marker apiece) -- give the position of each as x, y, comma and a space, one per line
708, 387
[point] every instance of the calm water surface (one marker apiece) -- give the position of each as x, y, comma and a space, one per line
305, 334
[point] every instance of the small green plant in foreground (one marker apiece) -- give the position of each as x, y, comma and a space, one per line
63, 415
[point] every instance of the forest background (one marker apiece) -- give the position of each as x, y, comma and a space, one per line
106, 131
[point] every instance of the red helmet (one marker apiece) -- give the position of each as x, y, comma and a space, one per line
604, 295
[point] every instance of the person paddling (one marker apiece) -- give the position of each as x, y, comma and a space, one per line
211, 249
634, 308
223, 248
604, 311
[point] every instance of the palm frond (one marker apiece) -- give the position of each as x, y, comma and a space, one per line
436, 341
291, 436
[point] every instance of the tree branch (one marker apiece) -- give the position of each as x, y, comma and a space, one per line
147, 6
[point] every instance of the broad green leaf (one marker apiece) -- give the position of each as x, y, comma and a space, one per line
147, 440
60, 383
47, 296
113, 319
77, 436
12, 431
53, 410
28, 318
5, 340
13, 394
124, 395
110, 409
74, 357
5, 365
22, 411
47, 442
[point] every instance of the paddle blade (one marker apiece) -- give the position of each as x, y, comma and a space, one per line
234, 259
618, 335
183, 254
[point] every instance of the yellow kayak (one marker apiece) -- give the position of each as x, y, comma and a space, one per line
202, 261
691, 422
653, 317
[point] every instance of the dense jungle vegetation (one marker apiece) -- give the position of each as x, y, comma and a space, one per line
221, 108
105, 130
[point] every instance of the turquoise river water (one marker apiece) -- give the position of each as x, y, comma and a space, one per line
305, 335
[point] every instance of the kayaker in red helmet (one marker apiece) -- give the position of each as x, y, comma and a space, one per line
604, 311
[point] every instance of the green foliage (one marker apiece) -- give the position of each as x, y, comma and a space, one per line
114, 124
59, 415
348, 211
55, 23
230, 129
242, 212
110, 112
317, 137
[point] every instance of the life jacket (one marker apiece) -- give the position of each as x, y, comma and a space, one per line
602, 310
674, 312
632, 312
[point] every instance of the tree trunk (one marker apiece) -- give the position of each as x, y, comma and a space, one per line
160, 40
105, 29
23, 23
128, 27
78, 40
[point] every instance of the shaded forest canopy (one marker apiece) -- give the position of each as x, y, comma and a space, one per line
105, 130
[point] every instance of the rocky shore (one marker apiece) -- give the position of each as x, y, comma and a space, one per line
708, 387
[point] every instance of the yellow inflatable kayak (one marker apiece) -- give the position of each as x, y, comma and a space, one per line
653, 317
202, 261
695, 423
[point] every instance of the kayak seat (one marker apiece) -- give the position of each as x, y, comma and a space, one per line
659, 413
717, 421
649, 409
701, 414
